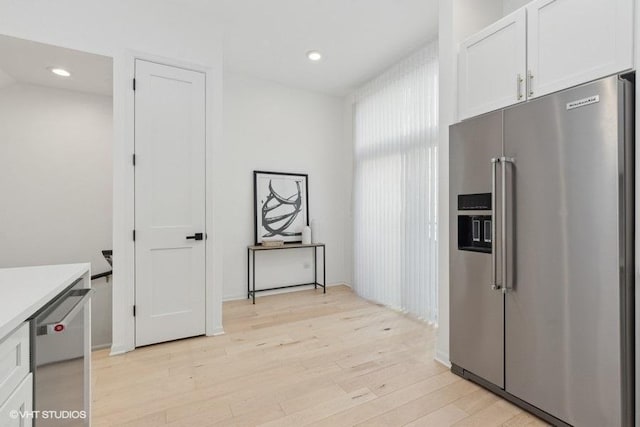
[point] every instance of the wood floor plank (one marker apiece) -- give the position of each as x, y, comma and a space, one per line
443, 417
254, 417
524, 419
381, 405
319, 411
311, 397
494, 415
295, 359
476, 401
422, 405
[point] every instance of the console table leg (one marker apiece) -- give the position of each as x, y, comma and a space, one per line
315, 268
254, 277
324, 268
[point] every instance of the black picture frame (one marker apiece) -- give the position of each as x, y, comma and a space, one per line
290, 235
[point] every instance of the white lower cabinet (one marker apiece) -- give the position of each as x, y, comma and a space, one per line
16, 410
16, 383
14, 360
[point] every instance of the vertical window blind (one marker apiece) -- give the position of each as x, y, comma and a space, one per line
395, 200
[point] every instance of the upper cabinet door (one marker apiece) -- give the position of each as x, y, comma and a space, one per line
492, 66
575, 41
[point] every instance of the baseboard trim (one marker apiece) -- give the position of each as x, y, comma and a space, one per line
443, 359
100, 347
283, 291
216, 332
118, 351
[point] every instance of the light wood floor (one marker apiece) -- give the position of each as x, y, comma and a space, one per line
295, 359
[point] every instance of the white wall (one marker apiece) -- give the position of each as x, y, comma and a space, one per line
56, 186
183, 30
458, 20
271, 127
511, 5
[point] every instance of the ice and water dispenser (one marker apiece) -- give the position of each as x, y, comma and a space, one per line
474, 228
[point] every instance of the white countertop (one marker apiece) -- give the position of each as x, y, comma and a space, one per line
25, 290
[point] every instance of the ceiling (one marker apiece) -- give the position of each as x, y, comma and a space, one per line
29, 62
357, 38
268, 39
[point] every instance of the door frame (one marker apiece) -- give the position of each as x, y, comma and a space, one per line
124, 199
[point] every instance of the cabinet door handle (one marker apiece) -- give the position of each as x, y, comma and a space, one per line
530, 82
519, 86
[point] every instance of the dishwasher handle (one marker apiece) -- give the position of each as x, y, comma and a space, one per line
61, 325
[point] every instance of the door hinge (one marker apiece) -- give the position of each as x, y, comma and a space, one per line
134, 311
133, 159
134, 84
134, 235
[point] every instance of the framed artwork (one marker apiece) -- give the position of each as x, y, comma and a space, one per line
281, 206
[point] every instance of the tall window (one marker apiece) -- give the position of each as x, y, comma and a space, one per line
395, 204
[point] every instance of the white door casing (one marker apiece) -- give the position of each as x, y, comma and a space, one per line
170, 202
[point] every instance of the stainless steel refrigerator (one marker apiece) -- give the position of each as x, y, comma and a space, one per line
541, 253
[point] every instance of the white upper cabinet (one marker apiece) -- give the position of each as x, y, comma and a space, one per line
576, 41
544, 47
492, 66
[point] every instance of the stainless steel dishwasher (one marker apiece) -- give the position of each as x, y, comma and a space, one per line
60, 359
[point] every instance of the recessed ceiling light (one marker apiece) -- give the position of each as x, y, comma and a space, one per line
314, 55
60, 72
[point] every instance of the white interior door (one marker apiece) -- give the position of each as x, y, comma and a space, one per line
169, 202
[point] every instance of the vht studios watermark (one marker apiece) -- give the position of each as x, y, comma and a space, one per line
48, 415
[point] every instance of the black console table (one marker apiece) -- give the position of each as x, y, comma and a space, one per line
251, 262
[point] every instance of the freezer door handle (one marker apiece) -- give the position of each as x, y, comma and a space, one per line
503, 223
494, 267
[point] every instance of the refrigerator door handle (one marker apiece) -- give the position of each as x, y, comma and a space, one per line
494, 267
503, 224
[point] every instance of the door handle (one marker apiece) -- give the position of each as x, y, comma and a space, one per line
503, 225
494, 283
197, 236
530, 83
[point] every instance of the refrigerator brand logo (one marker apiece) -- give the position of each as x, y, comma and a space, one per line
582, 102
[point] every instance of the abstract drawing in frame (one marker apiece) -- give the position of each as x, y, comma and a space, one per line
281, 206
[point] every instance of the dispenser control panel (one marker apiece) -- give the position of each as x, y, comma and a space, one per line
474, 202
